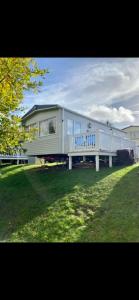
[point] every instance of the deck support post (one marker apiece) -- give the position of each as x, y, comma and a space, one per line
17, 161
97, 163
110, 161
84, 158
70, 162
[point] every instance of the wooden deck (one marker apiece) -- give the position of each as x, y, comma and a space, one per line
98, 143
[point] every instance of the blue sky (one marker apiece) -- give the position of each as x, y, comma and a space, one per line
102, 88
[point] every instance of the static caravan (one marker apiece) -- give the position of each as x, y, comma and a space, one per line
61, 131
132, 132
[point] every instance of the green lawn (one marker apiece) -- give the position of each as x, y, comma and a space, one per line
69, 206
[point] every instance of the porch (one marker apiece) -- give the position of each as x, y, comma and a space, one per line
98, 143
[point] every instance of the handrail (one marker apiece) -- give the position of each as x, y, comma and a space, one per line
99, 140
2, 156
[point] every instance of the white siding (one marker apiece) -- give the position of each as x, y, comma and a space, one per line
133, 133
50, 144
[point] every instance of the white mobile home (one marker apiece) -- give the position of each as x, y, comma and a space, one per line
65, 132
132, 132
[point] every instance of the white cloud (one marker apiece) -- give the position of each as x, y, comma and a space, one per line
113, 115
98, 84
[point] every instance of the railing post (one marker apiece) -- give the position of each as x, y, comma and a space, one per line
85, 137
97, 140
111, 143
71, 143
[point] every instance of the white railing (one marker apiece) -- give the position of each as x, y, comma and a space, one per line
112, 142
14, 156
99, 141
82, 142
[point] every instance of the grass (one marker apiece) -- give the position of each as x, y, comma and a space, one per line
69, 206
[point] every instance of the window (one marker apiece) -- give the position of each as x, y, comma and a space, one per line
47, 127
77, 127
32, 126
70, 127
52, 126
27, 128
43, 128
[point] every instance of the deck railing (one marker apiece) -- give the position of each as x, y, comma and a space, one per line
99, 141
84, 141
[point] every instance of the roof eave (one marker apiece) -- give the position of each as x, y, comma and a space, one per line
130, 126
38, 110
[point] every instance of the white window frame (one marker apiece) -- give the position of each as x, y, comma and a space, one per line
47, 120
55, 125
72, 127
31, 125
40, 136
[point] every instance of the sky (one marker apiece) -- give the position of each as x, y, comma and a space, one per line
105, 89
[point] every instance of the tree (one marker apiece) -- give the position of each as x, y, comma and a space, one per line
17, 75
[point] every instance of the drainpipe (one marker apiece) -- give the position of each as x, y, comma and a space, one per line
62, 130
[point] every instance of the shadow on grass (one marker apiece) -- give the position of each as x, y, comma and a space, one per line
6, 169
117, 218
27, 194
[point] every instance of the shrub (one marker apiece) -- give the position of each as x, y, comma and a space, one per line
124, 157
